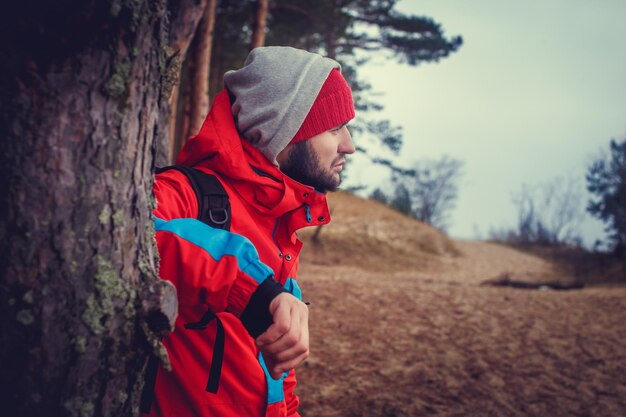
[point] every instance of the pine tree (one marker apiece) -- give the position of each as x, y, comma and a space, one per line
341, 30
346, 29
83, 112
606, 180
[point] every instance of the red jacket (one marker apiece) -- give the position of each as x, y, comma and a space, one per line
234, 274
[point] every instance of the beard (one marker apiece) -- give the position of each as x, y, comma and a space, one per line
304, 166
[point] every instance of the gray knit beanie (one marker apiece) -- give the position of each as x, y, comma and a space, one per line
273, 94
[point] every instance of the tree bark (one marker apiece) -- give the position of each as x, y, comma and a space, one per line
331, 46
217, 69
185, 107
173, 120
83, 110
260, 23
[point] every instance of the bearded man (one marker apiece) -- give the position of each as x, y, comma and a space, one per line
276, 140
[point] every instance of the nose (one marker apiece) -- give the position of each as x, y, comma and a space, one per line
346, 146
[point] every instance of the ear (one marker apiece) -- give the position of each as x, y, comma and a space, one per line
283, 155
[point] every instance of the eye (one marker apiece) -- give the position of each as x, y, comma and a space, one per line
337, 129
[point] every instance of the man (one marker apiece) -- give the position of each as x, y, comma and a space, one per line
276, 139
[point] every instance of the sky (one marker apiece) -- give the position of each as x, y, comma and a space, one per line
537, 91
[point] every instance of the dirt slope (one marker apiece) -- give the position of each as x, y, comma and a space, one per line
403, 327
369, 234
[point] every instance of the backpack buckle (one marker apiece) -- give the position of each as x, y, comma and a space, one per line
222, 218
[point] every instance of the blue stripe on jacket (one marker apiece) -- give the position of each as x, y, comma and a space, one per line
218, 243
275, 390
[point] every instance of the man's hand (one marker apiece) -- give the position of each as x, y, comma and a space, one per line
285, 344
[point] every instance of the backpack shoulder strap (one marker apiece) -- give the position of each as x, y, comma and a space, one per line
213, 203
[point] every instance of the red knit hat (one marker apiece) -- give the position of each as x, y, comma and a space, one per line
332, 107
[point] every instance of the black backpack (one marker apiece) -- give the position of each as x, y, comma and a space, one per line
214, 210
213, 203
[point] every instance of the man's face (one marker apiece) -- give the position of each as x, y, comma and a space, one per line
318, 161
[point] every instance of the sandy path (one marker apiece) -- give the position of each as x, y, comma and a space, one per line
480, 261
437, 343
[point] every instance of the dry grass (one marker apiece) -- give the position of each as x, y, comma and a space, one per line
407, 330
369, 234
580, 265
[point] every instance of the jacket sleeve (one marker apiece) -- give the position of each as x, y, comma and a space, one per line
210, 266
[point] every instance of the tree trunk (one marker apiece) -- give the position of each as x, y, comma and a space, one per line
185, 22
173, 123
217, 69
202, 65
181, 110
182, 131
83, 109
260, 23
331, 46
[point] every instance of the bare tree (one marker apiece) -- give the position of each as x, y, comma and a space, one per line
433, 187
549, 213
